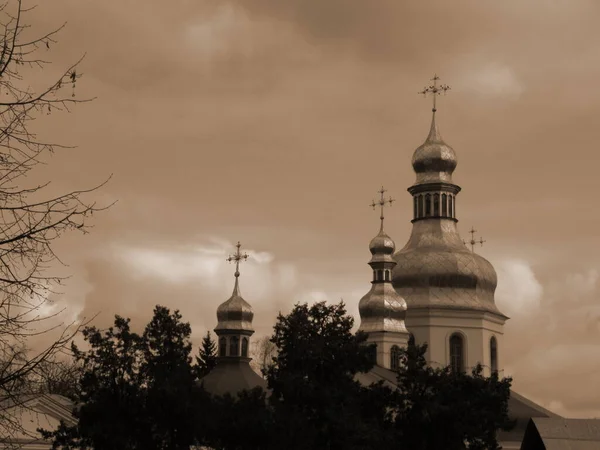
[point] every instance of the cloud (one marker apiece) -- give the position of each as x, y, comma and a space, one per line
519, 292
492, 80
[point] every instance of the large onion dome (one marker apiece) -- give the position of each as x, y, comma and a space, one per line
435, 268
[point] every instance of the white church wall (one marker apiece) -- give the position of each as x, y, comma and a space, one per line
437, 326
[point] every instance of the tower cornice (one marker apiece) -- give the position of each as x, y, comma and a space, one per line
426, 187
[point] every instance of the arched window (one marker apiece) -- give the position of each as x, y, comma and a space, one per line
395, 357
245, 347
387, 275
457, 358
411, 339
436, 205
234, 346
415, 206
420, 206
494, 354
379, 275
444, 205
222, 346
373, 353
451, 206
427, 205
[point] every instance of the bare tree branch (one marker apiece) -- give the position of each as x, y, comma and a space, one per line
30, 221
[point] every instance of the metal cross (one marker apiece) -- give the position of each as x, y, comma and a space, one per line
473, 241
435, 90
382, 202
237, 257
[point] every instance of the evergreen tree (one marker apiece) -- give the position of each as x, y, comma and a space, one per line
136, 391
206, 360
316, 400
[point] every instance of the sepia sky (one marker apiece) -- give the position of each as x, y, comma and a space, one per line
275, 122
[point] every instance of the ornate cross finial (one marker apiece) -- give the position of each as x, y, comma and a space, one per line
473, 241
382, 202
237, 257
435, 90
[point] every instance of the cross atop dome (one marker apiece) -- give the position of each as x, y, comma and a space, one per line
237, 257
435, 90
473, 241
382, 202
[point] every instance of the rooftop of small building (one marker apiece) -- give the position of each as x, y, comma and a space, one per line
558, 433
231, 376
520, 408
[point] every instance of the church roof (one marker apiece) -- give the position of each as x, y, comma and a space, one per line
561, 434
231, 376
30, 412
520, 408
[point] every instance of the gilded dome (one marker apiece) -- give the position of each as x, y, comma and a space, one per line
382, 309
435, 269
434, 161
382, 243
236, 313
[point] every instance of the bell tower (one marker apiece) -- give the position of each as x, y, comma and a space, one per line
449, 290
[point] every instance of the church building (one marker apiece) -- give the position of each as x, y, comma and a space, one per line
434, 290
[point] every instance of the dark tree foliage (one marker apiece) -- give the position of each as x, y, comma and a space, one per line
137, 391
167, 373
242, 423
439, 408
206, 360
317, 402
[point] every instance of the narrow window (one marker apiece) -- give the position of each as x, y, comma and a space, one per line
395, 357
420, 209
374, 275
379, 275
494, 354
451, 206
373, 353
444, 205
222, 346
427, 205
436, 205
234, 346
245, 347
457, 362
387, 275
411, 339
415, 206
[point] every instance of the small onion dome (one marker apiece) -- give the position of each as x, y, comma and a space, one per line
382, 243
434, 161
382, 309
236, 313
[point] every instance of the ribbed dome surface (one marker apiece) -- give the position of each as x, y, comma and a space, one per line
382, 243
435, 269
382, 309
236, 313
434, 161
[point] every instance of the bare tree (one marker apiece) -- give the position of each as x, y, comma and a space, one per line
30, 220
262, 352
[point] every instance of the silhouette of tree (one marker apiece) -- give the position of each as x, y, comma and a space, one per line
441, 408
316, 400
137, 391
206, 359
